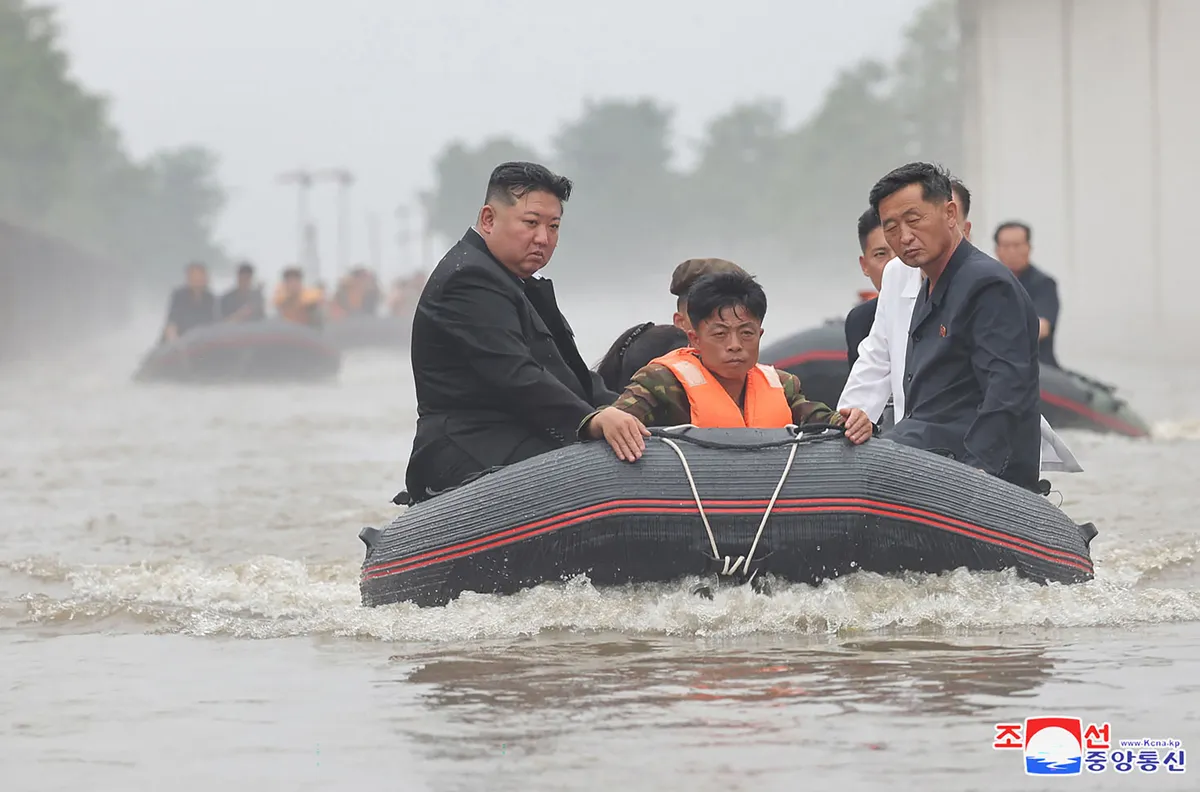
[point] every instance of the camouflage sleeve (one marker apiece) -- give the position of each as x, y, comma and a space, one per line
654, 397
803, 410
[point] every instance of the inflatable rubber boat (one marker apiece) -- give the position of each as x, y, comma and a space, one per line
797, 504
1069, 400
369, 332
272, 350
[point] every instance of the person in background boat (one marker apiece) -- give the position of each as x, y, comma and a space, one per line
404, 295
717, 382
688, 273
244, 302
296, 303
875, 256
497, 373
351, 296
971, 385
1012, 248
192, 305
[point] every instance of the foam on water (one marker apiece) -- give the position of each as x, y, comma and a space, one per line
269, 596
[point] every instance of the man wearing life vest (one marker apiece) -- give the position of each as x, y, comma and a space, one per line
717, 382
294, 302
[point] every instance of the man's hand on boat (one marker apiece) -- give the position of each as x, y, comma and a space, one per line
624, 433
858, 426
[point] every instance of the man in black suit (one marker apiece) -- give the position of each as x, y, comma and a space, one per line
971, 382
497, 373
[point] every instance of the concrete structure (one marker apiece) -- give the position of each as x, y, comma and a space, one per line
1083, 119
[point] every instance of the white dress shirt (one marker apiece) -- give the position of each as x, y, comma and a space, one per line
878, 374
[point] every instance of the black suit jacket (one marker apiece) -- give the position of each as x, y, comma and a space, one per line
858, 326
971, 385
497, 373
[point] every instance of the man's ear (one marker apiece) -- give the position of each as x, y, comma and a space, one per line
678, 321
487, 219
693, 338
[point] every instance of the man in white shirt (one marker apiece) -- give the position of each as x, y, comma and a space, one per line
878, 373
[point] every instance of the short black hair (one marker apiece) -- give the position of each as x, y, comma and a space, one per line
721, 290
1013, 224
245, 268
961, 192
293, 272
934, 181
868, 221
511, 181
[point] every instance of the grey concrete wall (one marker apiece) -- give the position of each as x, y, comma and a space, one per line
1083, 119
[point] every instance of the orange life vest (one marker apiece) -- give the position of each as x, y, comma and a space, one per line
712, 408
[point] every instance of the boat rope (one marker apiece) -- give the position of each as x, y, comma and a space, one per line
730, 566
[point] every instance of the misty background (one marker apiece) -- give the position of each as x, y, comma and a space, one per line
138, 135
147, 134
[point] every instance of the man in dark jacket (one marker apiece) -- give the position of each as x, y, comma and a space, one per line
971, 382
192, 305
497, 373
1012, 248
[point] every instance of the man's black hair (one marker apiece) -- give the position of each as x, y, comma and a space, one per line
961, 192
934, 181
722, 290
511, 181
293, 272
245, 268
1013, 224
868, 221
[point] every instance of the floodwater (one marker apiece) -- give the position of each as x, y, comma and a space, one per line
179, 609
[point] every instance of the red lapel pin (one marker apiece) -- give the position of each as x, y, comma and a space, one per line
942, 330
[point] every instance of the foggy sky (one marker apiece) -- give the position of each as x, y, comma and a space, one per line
380, 86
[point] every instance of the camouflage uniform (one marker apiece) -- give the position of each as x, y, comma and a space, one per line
656, 398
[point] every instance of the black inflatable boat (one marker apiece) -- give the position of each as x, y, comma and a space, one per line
796, 505
369, 332
272, 350
1069, 400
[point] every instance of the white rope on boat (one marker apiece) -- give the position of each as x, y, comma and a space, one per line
730, 566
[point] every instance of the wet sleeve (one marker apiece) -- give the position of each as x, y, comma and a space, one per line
1006, 370
803, 410
869, 385
1045, 301
486, 330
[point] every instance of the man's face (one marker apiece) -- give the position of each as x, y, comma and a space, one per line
875, 257
293, 285
522, 236
919, 231
728, 342
197, 278
245, 279
1012, 248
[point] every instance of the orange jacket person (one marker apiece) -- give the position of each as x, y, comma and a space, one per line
294, 302
717, 382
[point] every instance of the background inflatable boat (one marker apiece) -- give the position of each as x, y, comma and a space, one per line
833, 509
1069, 400
369, 332
272, 350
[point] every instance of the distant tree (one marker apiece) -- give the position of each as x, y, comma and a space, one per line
736, 185
756, 185
928, 89
461, 175
64, 172
618, 154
